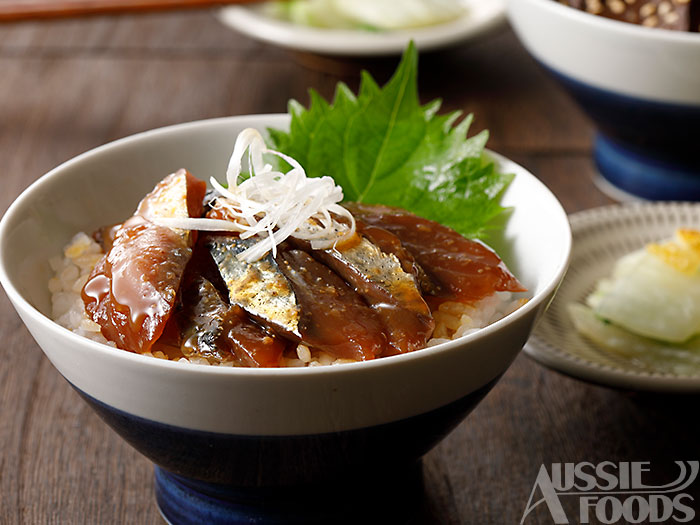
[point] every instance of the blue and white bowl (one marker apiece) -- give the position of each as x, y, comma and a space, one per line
264, 444
640, 86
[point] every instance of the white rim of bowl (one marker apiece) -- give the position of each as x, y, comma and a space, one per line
633, 30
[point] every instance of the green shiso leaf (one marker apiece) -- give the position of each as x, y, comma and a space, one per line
383, 147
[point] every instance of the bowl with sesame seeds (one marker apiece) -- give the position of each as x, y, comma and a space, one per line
634, 68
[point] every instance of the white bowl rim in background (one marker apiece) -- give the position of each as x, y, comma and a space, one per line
649, 63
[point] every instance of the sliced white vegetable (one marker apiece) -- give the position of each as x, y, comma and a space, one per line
390, 14
274, 205
647, 353
367, 14
650, 298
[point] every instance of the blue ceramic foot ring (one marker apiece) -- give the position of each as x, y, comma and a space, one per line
645, 175
384, 499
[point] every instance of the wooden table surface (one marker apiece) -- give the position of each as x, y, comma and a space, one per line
68, 86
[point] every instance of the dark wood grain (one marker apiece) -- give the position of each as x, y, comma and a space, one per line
21, 10
68, 86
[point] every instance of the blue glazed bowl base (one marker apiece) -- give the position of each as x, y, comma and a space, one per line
632, 173
377, 498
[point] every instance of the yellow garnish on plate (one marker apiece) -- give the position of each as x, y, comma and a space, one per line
681, 253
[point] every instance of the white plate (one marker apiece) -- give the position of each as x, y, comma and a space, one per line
480, 16
601, 236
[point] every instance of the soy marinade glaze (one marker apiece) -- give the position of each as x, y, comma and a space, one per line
186, 293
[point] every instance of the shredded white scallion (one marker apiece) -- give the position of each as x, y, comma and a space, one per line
274, 205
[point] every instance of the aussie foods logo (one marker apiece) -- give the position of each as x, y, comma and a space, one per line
610, 492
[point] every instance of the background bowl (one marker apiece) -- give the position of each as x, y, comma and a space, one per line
640, 86
227, 440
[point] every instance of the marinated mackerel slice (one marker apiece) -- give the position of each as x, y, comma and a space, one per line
200, 320
260, 287
131, 291
219, 332
390, 243
179, 195
105, 236
333, 317
462, 269
390, 291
